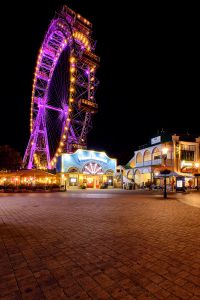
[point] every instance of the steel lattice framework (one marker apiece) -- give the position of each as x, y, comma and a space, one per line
63, 90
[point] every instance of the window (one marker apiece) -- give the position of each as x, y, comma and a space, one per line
156, 153
187, 155
139, 158
147, 155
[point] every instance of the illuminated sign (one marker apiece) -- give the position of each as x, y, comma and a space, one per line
156, 140
179, 183
91, 156
186, 164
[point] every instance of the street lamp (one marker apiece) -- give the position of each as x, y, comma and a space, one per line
197, 167
165, 172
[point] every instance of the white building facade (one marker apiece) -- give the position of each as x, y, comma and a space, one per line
178, 153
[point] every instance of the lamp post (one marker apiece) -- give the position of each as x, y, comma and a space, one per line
197, 167
165, 172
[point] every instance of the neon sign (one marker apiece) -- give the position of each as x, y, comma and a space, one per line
91, 156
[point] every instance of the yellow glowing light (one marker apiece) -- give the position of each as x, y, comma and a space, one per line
92, 79
72, 79
71, 100
92, 70
197, 165
71, 89
72, 60
64, 136
66, 128
59, 150
165, 151
70, 109
72, 70
68, 119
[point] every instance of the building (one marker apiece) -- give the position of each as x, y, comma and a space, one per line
86, 168
178, 153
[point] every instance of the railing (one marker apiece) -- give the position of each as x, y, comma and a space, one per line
150, 163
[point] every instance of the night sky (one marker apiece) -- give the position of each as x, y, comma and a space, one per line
149, 73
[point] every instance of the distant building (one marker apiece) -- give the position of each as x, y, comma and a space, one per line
178, 153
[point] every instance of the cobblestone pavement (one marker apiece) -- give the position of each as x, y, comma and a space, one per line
98, 246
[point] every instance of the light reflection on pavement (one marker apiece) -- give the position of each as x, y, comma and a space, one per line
192, 199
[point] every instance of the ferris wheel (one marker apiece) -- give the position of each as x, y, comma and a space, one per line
63, 91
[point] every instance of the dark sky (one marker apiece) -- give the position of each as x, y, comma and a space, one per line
149, 74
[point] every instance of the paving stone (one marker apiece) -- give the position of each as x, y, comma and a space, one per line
116, 246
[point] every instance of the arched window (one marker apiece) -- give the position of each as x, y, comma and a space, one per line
138, 177
147, 155
92, 168
139, 157
156, 154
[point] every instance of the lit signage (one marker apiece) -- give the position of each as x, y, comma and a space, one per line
91, 156
186, 164
156, 140
179, 183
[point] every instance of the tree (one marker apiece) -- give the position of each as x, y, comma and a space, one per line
10, 159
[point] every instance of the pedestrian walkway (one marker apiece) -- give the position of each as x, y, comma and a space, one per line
103, 247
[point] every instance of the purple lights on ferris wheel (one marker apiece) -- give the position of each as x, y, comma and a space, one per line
87, 72
58, 121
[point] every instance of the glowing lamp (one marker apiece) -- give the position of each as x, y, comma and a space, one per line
197, 165
165, 151
72, 60
72, 70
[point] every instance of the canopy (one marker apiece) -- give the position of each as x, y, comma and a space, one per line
176, 174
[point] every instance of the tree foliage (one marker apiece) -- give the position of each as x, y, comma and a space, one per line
10, 158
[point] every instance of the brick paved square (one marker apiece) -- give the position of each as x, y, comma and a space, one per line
118, 245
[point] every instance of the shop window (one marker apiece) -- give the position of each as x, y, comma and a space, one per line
73, 180
110, 180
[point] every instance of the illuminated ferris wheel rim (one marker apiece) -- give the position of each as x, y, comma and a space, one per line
56, 26
69, 37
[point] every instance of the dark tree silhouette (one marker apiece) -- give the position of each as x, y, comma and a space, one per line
10, 159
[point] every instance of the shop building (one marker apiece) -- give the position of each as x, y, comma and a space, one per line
86, 168
178, 153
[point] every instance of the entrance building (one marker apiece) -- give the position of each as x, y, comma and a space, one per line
86, 169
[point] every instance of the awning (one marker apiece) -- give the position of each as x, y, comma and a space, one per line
176, 174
